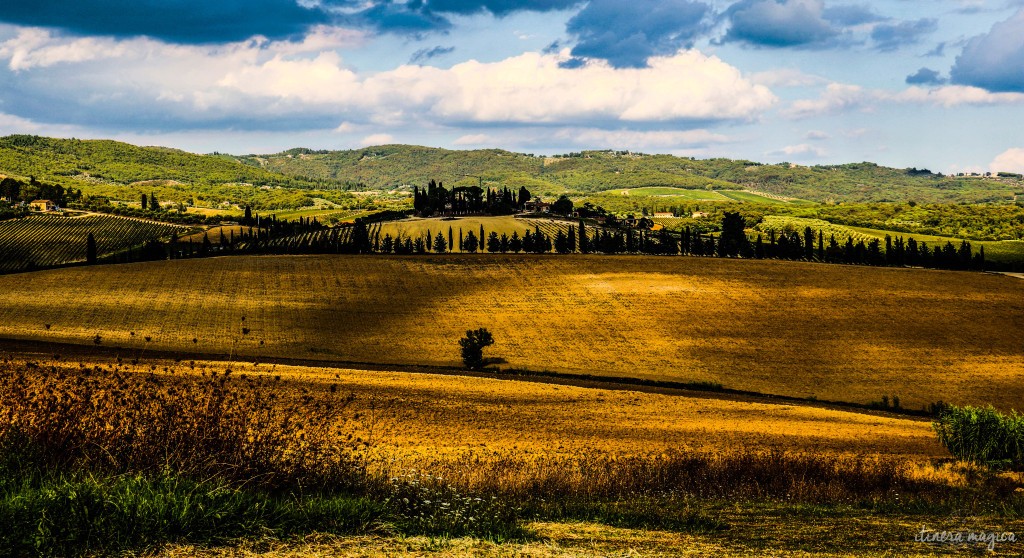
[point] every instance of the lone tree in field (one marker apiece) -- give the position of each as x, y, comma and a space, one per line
473, 347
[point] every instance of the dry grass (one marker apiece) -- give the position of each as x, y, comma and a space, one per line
235, 428
831, 332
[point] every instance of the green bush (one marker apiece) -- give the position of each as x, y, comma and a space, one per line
982, 435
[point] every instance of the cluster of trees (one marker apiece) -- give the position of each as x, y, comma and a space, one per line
435, 199
18, 191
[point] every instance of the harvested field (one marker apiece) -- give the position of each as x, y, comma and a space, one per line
807, 330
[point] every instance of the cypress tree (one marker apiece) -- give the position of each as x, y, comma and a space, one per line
90, 249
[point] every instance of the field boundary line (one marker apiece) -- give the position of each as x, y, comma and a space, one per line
698, 390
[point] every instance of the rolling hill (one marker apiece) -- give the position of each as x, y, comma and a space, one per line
833, 332
389, 166
121, 171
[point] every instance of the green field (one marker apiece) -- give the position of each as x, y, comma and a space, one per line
998, 251
681, 193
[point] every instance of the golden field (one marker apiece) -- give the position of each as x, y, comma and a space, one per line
417, 227
808, 330
416, 417
411, 416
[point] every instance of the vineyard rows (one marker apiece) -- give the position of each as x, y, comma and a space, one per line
798, 224
50, 240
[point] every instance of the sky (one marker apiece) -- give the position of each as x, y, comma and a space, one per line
935, 84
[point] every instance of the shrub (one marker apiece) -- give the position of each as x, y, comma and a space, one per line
982, 435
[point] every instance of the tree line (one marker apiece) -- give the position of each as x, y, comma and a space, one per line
307, 236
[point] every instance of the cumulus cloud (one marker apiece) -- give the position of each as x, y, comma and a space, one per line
530, 88
376, 139
1011, 160
626, 34
278, 85
475, 139
994, 61
837, 97
840, 97
817, 135
801, 151
891, 36
778, 23
925, 76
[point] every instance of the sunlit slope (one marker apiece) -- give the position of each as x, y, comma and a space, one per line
415, 416
828, 331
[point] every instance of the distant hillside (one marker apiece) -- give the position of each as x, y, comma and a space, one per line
92, 160
394, 165
123, 171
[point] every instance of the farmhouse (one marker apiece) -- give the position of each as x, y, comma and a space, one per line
699, 214
42, 205
663, 214
537, 206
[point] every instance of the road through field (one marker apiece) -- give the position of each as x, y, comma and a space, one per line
840, 333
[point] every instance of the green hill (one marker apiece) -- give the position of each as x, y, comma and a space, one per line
389, 166
295, 177
123, 172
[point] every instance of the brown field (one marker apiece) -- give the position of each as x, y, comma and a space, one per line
808, 330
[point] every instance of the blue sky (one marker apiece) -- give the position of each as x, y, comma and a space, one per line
936, 84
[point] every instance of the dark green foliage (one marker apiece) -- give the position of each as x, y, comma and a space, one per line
472, 347
90, 249
982, 435
562, 206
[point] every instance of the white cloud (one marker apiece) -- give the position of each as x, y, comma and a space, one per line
1011, 160
376, 139
955, 95
840, 97
474, 139
802, 150
39, 48
837, 97
817, 135
260, 80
